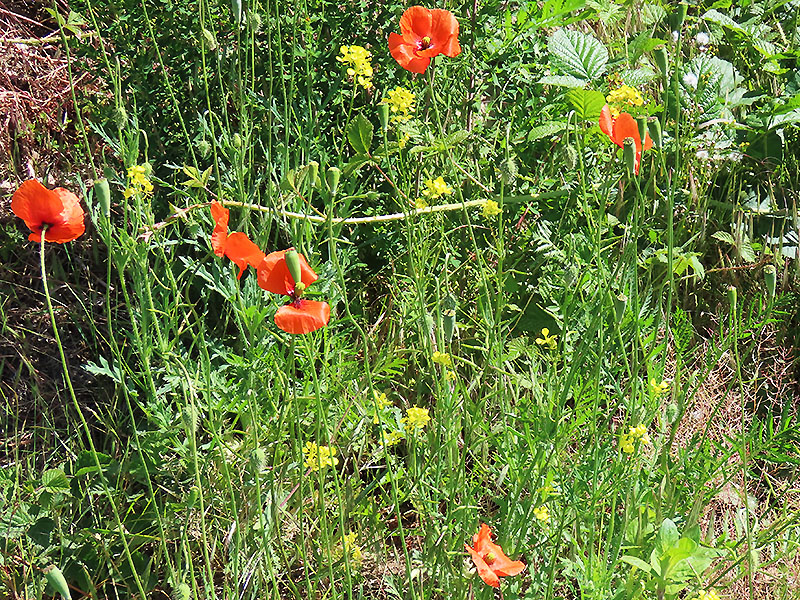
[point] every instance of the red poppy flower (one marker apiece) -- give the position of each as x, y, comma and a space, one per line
489, 558
621, 128
300, 315
236, 246
59, 210
425, 33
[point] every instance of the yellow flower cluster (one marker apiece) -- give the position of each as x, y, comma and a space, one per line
708, 595
658, 389
417, 417
353, 549
547, 340
542, 514
436, 187
381, 402
319, 457
360, 68
638, 433
401, 103
138, 183
491, 209
624, 95
442, 358
391, 439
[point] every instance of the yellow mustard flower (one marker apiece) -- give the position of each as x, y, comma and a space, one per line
401, 102
547, 340
319, 457
417, 418
442, 358
360, 67
436, 188
658, 389
491, 209
634, 434
542, 514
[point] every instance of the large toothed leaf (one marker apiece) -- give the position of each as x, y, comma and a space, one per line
577, 54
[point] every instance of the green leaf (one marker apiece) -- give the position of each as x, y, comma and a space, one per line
724, 236
667, 536
577, 54
55, 481
546, 129
355, 163
359, 134
636, 562
587, 103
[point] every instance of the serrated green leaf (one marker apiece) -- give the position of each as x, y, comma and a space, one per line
724, 236
355, 163
54, 480
577, 54
587, 103
359, 134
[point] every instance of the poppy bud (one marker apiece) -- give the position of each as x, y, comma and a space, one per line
620, 302
120, 117
654, 127
209, 40
629, 154
732, 297
332, 176
449, 317
182, 592
383, 114
662, 59
641, 121
313, 173
293, 263
769, 280
671, 412
57, 581
237, 140
254, 21
571, 156
204, 148
103, 195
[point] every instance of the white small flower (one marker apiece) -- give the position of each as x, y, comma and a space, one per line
702, 39
675, 36
690, 80
702, 154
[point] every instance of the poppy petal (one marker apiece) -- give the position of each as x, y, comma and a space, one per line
60, 209
648, 142
606, 121
444, 32
242, 251
303, 316
417, 20
274, 276
220, 214
625, 127
70, 225
481, 539
489, 577
403, 53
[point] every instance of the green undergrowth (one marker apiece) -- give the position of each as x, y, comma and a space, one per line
603, 359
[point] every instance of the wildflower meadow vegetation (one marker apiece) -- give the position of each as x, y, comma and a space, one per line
369, 300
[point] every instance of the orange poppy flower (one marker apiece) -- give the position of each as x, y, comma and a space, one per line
425, 33
300, 315
236, 246
621, 128
59, 210
489, 558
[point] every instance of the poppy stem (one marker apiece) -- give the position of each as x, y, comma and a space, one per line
84, 424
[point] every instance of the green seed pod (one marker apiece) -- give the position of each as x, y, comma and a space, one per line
769, 280
629, 154
641, 121
620, 303
383, 115
654, 127
57, 581
313, 173
449, 317
293, 262
332, 176
103, 194
662, 58
732, 298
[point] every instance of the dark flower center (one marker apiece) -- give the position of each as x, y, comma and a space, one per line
425, 43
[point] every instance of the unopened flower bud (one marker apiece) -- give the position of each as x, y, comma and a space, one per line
103, 195
769, 280
204, 148
237, 140
57, 581
292, 259
732, 298
313, 173
654, 127
332, 176
641, 121
620, 303
662, 59
383, 115
120, 117
209, 40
